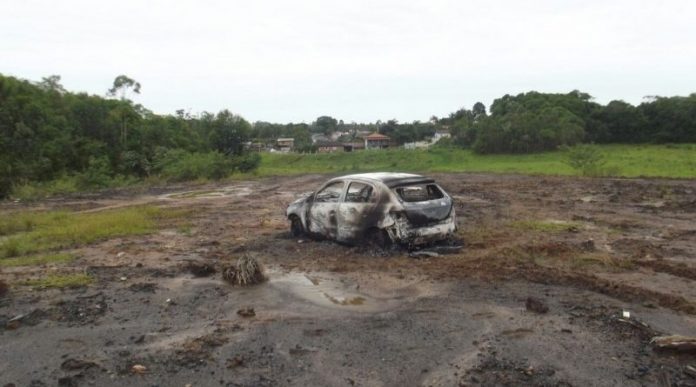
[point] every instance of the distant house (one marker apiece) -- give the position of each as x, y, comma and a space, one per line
377, 141
353, 146
328, 146
285, 144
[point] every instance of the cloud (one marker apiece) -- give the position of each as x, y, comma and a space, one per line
359, 60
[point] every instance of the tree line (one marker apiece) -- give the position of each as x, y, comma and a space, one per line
534, 122
48, 133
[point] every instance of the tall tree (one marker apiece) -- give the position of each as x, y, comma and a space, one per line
325, 125
122, 86
229, 133
479, 111
52, 83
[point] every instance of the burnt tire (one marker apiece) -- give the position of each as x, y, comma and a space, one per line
296, 228
377, 238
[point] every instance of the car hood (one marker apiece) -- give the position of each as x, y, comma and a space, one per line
303, 197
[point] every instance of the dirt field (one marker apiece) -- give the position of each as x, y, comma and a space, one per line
588, 249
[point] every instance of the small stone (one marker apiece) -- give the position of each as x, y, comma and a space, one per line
138, 369
246, 312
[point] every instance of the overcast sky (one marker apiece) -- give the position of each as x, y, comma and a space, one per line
356, 60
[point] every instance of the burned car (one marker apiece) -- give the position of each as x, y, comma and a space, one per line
380, 208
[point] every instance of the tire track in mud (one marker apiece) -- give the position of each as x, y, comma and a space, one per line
614, 289
679, 270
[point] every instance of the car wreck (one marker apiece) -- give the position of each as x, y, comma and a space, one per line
380, 208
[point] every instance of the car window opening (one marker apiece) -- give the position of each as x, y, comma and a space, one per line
331, 193
419, 193
359, 193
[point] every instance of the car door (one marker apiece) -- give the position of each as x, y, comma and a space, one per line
322, 214
356, 211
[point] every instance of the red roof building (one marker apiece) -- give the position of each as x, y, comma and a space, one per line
377, 141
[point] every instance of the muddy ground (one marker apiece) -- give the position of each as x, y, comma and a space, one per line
587, 249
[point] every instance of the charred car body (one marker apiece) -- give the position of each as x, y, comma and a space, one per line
378, 207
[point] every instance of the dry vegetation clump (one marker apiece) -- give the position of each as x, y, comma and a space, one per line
247, 271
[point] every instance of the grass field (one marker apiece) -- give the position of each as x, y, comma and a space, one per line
60, 281
670, 161
673, 161
29, 232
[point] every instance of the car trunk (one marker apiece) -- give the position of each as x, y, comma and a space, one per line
424, 204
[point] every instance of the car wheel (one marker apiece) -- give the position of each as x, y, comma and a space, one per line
296, 228
378, 238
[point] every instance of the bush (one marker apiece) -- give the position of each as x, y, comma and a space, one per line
180, 166
248, 162
586, 159
135, 163
39, 190
98, 173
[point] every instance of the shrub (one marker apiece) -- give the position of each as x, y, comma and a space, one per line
38, 190
97, 174
180, 165
248, 162
135, 163
586, 159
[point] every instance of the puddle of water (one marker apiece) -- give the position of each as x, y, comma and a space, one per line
176, 284
330, 292
325, 290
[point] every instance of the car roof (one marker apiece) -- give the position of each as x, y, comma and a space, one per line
390, 179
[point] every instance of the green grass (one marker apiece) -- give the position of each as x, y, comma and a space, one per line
38, 190
60, 281
670, 161
33, 260
675, 161
63, 185
55, 230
